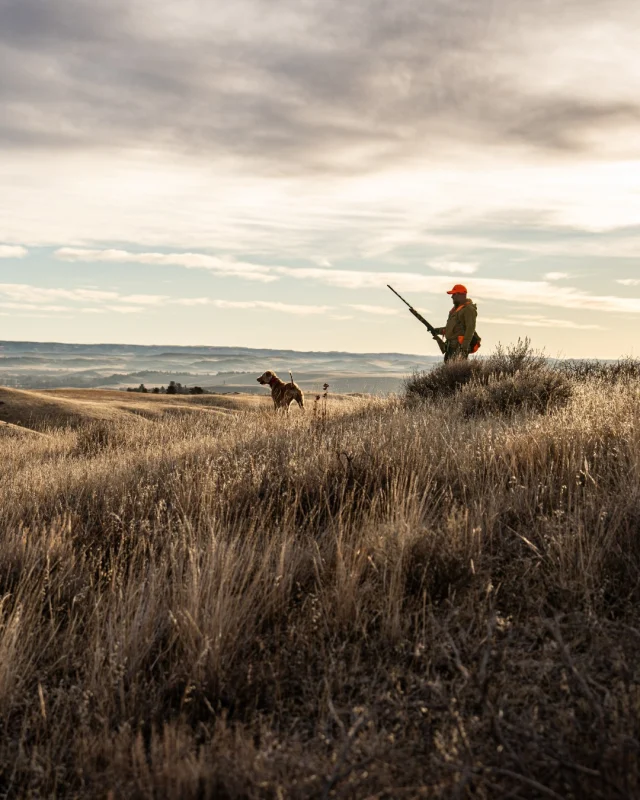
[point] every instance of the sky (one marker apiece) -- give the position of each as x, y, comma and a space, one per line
254, 173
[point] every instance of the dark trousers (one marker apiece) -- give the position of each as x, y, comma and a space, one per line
454, 351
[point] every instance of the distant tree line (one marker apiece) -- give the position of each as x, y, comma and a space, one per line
173, 388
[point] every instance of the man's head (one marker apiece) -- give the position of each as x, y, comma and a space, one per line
458, 294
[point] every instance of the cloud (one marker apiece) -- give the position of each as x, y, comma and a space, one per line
194, 301
125, 309
453, 267
283, 308
30, 315
22, 292
629, 281
545, 292
220, 266
512, 291
531, 321
304, 129
12, 251
319, 87
556, 276
33, 307
87, 294
384, 311
145, 299
23, 296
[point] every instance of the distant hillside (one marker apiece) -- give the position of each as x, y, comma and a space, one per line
50, 365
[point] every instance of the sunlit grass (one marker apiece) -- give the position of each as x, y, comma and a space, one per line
388, 599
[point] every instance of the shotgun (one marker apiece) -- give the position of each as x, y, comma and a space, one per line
429, 327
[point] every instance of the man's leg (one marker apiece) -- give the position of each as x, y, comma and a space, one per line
454, 351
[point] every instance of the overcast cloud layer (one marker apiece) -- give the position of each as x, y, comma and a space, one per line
320, 86
330, 145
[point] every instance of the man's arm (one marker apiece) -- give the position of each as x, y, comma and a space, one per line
469, 316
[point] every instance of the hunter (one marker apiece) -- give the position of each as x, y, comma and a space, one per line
461, 325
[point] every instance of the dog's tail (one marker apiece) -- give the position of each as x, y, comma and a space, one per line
291, 376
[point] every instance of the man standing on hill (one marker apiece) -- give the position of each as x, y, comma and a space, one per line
461, 325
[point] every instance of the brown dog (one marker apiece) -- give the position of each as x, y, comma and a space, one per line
282, 394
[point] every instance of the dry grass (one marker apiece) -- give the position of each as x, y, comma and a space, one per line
384, 600
77, 407
126, 400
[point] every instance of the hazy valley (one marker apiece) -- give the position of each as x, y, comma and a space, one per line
42, 365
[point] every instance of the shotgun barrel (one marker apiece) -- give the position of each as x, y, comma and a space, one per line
429, 327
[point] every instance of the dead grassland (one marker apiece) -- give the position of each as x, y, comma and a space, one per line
77, 407
376, 599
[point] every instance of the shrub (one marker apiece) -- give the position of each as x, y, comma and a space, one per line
441, 381
511, 378
582, 370
518, 358
539, 390
448, 378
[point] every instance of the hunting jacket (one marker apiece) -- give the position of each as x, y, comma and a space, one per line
461, 324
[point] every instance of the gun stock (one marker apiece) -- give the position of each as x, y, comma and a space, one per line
428, 326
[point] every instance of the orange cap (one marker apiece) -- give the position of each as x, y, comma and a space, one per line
458, 289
